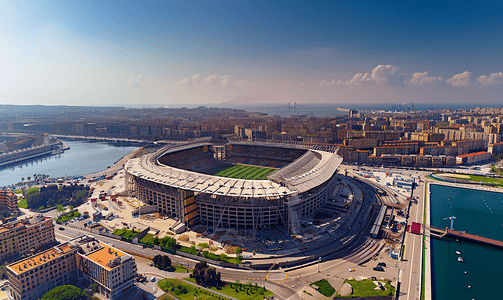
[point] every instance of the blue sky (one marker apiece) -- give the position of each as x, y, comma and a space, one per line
209, 52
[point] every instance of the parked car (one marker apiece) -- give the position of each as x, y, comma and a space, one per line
379, 268
150, 263
152, 279
61, 228
381, 264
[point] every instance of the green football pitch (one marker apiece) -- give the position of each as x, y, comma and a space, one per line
246, 172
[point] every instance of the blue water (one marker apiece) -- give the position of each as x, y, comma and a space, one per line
82, 158
477, 212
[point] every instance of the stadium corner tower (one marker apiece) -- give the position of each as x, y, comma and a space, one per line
182, 182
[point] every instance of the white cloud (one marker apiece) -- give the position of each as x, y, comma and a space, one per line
135, 81
462, 79
423, 79
190, 81
327, 83
214, 79
493, 79
388, 75
358, 79
381, 75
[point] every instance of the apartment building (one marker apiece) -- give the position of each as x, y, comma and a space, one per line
8, 201
25, 236
32, 277
82, 259
112, 270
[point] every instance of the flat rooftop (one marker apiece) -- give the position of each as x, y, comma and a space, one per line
104, 255
37, 260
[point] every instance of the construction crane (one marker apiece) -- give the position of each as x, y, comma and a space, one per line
452, 221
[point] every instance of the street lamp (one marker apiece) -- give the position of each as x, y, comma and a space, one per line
319, 261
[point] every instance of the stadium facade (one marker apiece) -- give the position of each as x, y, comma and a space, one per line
180, 181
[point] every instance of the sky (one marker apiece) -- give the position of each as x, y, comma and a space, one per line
173, 53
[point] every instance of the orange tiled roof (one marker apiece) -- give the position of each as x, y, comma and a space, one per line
472, 154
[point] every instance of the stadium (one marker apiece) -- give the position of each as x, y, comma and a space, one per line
241, 185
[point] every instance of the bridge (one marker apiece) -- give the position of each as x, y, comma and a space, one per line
440, 233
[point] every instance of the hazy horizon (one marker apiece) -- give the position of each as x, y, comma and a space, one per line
225, 53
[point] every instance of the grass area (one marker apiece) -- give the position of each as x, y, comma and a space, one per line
22, 203
186, 291
366, 288
33, 190
146, 238
68, 216
324, 287
119, 231
177, 269
126, 233
246, 172
495, 181
232, 260
241, 291
188, 250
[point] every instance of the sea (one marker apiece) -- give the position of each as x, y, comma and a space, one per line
82, 158
481, 273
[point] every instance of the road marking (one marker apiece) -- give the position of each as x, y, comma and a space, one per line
266, 276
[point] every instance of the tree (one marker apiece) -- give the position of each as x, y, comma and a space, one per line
206, 275
157, 260
238, 250
162, 261
22, 179
63, 292
223, 257
60, 208
165, 262
168, 242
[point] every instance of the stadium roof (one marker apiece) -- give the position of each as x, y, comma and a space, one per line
307, 172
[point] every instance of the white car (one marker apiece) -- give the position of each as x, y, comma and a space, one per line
152, 279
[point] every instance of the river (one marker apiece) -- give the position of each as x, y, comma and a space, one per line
476, 212
82, 158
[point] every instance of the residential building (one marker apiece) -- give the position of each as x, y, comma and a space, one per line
82, 258
25, 236
473, 157
8, 201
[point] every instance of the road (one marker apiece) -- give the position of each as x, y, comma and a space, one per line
411, 265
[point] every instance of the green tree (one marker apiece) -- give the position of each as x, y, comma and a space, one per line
63, 292
157, 260
238, 250
165, 262
206, 275
223, 256
60, 208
